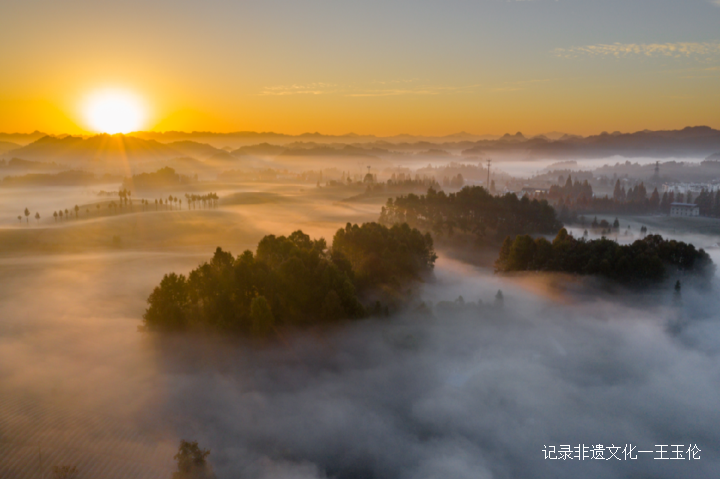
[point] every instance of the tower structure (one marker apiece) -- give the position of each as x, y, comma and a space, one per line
488, 176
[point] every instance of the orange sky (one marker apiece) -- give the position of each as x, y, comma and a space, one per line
378, 68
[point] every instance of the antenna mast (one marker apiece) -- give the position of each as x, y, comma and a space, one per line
488, 178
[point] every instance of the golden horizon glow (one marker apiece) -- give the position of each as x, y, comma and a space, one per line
114, 111
484, 67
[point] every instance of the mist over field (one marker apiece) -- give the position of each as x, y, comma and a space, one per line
360, 240
443, 388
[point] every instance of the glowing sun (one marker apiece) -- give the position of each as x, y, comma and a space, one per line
113, 111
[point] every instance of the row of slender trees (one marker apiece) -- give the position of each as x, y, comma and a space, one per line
209, 200
27, 216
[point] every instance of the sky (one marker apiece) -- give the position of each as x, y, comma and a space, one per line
369, 67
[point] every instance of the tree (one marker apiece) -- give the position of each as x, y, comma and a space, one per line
37, 217
20, 218
261, 316
655, 200
501, 263
64, 472
168, 303
617, 194
499, 299
77, 209
332, 308
616, 224
27, 214
55, 215
192, 462
677, 295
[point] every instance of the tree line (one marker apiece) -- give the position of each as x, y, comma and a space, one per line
577, 198
646, 260
209, 200
292, 281
471, 210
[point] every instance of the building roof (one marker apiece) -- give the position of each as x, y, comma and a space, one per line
687, 205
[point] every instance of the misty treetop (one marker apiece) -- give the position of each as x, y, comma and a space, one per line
290, 281
471, 210
645, 260
382, 255
161, 178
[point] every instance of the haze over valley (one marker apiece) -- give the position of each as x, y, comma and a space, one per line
360, 240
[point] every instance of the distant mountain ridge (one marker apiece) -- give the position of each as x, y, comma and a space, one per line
699, 141
101, 148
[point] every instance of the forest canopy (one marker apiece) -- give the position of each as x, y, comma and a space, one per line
471, 210
646, 260
291, 281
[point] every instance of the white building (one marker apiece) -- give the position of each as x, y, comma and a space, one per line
684, 209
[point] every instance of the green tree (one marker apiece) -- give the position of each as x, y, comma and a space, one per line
332, 308
168, 304
522, 253
501, 263
261, 316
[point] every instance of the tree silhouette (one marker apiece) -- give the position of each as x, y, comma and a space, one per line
27, 214
37, 217
20, 218
261, 316
192, 462
64, 472
77, 209
499, 299
677, 295
55, 215
641, 262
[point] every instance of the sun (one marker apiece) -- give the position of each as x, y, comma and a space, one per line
114, 111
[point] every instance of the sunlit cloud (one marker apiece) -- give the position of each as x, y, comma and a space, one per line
623, 50
307, 89
420, 90
393, 88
